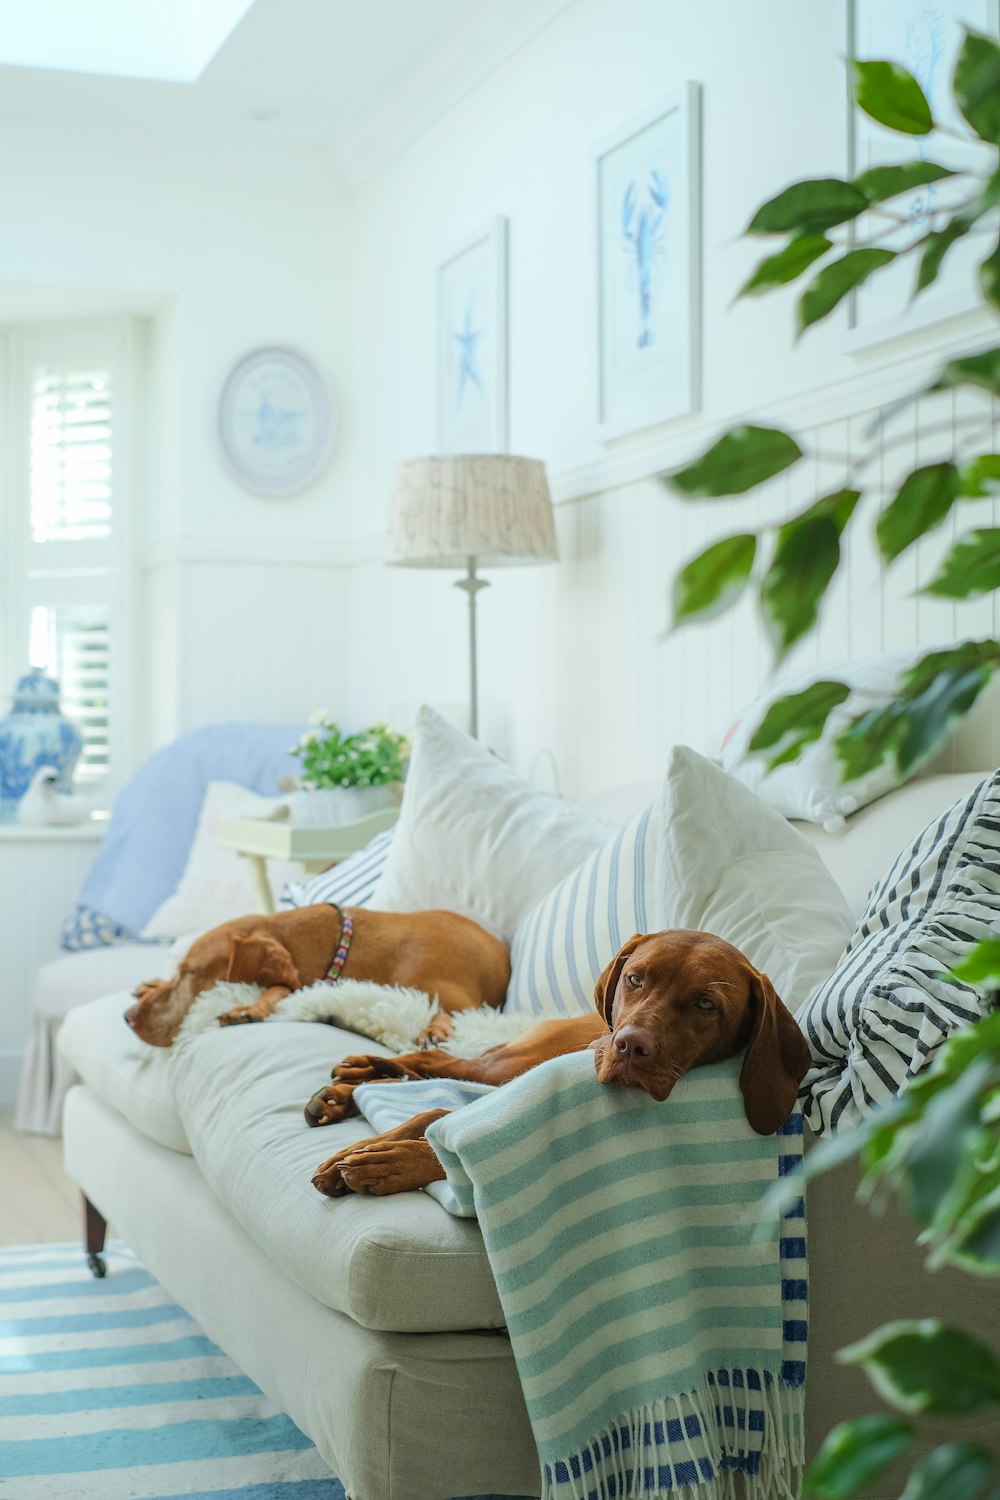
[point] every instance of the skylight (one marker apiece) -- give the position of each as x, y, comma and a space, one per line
169, 40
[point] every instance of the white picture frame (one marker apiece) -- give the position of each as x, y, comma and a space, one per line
647, 180
925, 38
472, 343
277, 422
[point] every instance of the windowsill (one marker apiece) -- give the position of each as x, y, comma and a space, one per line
90, 832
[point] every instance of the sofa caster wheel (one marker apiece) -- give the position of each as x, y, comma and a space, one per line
98, 1265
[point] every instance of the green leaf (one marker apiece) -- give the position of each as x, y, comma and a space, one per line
713, 581
976, 1244
806, 557
809, 207
981, 965
742, 458
976, 85
796, 257
990, 196
971, 568
989, 277
942, 1143
928, 1367
832, 284
980, 477
955, 1471
892, 96
936, 246
856, 1452
880, 183
792, 723
921, 503
982, 370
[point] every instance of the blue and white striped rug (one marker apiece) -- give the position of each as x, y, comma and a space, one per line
109, 1391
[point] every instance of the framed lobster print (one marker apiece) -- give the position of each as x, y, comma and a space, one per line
648, 254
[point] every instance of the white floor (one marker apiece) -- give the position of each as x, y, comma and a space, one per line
38, 1202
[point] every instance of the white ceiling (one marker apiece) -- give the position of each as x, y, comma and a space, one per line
334, 86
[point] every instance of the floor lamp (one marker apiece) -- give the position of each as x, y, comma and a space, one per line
470, 511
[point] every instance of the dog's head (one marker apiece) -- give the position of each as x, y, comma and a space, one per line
237, 952
674, 1000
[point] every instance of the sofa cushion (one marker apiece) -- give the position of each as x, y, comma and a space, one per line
128, 1074
399, 1263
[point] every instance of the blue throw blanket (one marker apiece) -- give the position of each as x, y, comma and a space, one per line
661, 1347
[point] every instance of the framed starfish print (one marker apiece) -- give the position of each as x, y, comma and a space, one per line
472, 344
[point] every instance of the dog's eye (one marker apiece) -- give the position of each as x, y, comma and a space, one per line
633, 980
704, 1003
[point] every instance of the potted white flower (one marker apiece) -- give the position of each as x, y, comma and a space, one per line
346, 777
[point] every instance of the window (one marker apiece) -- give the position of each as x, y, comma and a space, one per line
65, 488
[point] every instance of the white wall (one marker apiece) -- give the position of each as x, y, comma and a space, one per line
218, 267
571, 656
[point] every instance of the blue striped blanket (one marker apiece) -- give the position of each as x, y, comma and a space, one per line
660, 1346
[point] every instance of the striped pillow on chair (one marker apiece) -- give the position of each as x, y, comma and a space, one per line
562, 944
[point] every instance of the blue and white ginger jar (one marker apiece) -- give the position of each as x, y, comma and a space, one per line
35, 733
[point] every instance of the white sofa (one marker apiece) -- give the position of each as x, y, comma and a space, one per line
375, 1322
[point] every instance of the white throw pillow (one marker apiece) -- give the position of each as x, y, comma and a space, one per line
472, 837
811, 787
564, 942
731, 865
217, 884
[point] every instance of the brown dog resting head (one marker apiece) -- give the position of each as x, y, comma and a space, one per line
238, 952
674, 1000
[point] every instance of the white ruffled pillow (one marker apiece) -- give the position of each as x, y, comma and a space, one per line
217, 884
810, 787
474, 838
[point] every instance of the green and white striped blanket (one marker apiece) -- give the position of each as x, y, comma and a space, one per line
661, 1349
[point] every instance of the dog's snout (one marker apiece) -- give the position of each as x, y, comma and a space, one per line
634, 1044
131, 1014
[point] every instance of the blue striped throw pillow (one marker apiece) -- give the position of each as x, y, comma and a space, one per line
348, 884
562, 944
888, 1006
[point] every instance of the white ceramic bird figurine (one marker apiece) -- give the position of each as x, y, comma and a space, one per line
43, 803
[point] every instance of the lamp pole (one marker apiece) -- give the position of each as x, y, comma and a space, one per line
472, 584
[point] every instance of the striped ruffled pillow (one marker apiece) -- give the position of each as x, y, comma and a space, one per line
563, 943
889, 1004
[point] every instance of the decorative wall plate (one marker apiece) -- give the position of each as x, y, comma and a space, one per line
277, 424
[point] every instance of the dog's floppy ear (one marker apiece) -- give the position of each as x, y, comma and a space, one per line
776, 1059
259, 958
604, 990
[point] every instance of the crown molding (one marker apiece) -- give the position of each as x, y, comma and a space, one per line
430, 89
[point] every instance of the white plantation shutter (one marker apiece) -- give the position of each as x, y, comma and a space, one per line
71, 453
65, 478
73, 644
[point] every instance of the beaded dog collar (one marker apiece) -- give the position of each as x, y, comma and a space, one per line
343, 948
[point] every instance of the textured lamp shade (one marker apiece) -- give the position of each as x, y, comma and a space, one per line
489, 507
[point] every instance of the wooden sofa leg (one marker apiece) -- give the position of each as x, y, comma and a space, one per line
95, 1227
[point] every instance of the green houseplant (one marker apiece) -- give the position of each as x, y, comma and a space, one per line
346, 776
938, 1146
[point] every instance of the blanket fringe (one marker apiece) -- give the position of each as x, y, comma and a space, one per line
680, 1449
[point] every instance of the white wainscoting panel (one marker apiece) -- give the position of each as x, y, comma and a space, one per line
41, 871
575, 659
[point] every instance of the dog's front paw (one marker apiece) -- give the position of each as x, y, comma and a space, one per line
327, 1178
238, 1016
330, 1105
365, 1069
438, 1029
381, 1167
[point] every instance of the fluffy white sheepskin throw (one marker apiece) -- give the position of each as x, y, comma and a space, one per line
391, 1014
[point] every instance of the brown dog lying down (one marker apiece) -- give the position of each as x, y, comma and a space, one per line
667, 1003
436, 951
